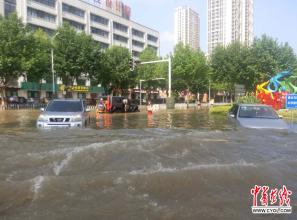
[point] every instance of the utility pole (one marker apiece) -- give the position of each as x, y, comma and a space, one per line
53, 69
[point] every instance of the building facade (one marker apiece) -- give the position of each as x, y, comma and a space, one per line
106, 26
187, 27
229, 21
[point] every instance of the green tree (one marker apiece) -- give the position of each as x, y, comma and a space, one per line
233, 65
189, 69
271, 57
13, 50
91, 58
77, 54
66, 54
149, 72
118, 71
97, 66
38, 65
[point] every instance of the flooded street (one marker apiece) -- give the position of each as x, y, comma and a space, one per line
172, 165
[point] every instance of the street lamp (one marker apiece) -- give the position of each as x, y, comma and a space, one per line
169, 71
140, 81
52, 59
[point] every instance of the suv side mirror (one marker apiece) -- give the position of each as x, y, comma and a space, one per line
280, 116
88, 110
42, 109
232, 115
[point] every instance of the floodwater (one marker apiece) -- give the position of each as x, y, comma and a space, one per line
172, 165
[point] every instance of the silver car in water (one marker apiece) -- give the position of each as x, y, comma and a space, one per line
256, 116
64, 113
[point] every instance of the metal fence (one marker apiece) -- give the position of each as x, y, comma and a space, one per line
30, 106
23, 106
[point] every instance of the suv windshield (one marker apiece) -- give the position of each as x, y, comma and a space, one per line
257, 112
64, 106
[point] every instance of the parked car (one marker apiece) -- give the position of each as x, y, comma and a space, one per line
256, 116
64, 113
118, 104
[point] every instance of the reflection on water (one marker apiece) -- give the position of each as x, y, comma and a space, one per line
168, 165
162, 119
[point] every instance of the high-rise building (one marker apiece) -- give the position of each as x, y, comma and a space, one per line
228, 21
187, 27
107, 21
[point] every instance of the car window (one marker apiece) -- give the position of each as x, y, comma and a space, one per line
64, 106
257, 112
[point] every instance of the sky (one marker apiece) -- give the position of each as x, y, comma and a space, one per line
276, 18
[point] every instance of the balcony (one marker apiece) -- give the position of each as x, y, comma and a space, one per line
73, 17
40, 22
101, 39
41, 7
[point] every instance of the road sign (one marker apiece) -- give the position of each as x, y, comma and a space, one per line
239, 90
291, 101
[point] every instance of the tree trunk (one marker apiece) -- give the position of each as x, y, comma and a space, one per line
3, 97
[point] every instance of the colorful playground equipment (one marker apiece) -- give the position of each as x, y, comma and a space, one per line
273, 92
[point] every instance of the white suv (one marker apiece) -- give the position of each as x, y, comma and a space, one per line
64, 113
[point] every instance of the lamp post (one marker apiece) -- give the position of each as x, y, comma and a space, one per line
52, 61
142, 80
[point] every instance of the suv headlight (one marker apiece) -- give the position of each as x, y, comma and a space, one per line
76, 118
42, 118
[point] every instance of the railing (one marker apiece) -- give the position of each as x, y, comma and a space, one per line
31, 106
13, 106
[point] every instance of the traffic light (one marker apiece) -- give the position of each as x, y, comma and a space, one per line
132, 63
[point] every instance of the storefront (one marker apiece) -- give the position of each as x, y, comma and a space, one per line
45, 91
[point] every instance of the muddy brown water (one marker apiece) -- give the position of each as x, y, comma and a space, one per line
172, 165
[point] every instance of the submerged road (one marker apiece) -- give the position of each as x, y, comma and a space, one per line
175, 165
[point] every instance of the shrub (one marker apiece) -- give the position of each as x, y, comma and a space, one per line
248, 98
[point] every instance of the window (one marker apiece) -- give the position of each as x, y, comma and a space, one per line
73, 10
120, 38
103, 45
137, 43
10, 7
137, 33
46, 30
99, 19
76, 25
120, 27
41, 14
34, 94
99, 32
50, 3
152, 38
135, 53
153, 47
65, 106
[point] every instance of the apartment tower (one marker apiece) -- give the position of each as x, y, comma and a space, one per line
229, 21
187, 28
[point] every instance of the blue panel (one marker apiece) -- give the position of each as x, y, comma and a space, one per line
291, 101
